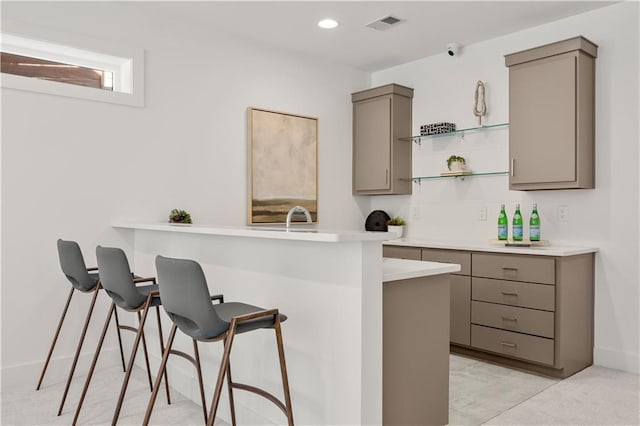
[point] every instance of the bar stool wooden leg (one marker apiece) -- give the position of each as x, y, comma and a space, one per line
55, 338
232, 405
93, 365
163, 366
79, 348
115, 313
196, 353
283, 370
166, 377
134, 350
146, 354
223, 369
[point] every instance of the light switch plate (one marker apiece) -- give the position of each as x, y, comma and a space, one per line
482, 213
563, 213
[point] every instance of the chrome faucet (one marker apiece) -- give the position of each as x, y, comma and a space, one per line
298, 209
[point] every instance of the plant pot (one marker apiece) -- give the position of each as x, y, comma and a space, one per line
398, 230
456, 166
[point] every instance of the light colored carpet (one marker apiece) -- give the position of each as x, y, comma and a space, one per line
594, 396
25, 406
479, 391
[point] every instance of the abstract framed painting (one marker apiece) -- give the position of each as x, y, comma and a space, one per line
283, 165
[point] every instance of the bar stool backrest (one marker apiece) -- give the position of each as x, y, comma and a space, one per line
116, 278
185, 298
73, 266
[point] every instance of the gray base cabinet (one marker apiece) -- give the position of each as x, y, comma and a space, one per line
381, 145
552, 116
526, 311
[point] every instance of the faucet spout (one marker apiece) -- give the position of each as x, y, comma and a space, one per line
298, 209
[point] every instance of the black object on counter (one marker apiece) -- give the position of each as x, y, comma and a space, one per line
377, 221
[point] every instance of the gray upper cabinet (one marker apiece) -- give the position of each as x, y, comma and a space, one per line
551, 116
381, 147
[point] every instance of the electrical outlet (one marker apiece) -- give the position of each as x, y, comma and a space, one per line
415, 212
482, 213
563, 213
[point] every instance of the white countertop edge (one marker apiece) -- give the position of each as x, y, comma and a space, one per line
270, 232
550, 250
402, 269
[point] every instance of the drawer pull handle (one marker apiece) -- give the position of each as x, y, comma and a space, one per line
506, 293
510, 318
508, 344
509, 268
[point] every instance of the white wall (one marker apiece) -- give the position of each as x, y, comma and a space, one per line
72, 167
606, 217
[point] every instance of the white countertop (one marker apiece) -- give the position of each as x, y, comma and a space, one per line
402, 269
550, 250
297, 232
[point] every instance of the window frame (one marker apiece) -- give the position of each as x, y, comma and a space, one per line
127, 63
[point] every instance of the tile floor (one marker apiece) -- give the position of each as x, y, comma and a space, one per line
480, 393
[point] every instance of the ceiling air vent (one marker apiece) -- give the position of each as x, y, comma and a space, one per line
385, 23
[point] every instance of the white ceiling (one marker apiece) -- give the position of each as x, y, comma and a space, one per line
429, 26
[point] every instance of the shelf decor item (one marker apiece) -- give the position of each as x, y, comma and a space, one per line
179, 216
437, 128
480, 106
283, 165
455, 163
397, 225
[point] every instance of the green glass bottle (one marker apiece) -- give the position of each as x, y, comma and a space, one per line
503, 222
534, 224
517, 224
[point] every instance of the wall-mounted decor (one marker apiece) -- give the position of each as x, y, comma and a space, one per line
283, 166
480, 105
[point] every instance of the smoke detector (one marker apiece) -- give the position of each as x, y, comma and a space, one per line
385, 23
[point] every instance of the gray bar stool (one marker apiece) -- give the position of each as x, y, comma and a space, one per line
120, 285
185, 296
74, 268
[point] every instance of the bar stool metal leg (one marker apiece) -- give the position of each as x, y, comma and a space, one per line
200, 381
115, 313
232, 404
283, 371
166, 377
93, 365
55, 338
79, 348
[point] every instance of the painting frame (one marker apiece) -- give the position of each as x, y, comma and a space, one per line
282, 166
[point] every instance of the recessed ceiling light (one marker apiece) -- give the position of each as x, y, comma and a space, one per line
328, 24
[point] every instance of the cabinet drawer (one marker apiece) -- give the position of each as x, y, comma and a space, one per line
536, 269
449, 256
536, 349
412, 253
525, 295
522, 320
460, 331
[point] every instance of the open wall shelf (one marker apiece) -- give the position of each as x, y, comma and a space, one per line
459, 133
419, 179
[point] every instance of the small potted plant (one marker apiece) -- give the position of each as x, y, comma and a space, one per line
397, 225
455, 163
179, 216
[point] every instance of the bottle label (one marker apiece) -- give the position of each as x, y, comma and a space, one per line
534, 233
517, 232
502, 232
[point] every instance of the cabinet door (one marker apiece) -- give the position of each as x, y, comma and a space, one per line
460, 331
542, 116
372, 144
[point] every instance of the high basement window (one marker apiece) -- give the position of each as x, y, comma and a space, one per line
65, 70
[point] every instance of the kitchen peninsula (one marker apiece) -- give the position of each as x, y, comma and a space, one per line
330, 285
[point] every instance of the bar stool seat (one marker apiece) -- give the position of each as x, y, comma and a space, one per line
186, 300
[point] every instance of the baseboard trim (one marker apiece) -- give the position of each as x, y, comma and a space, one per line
625, 361
25, 376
